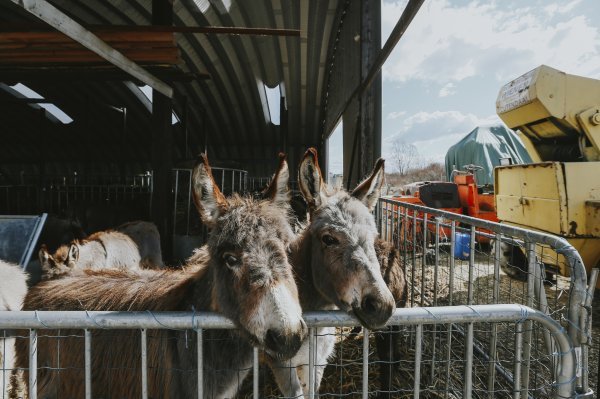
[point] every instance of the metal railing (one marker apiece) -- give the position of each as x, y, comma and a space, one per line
453, 259
563, 375
185, 217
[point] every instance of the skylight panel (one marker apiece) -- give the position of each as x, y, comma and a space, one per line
48, 106
147, 90
274, 103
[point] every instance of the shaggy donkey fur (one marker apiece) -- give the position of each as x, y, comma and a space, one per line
13, 288
243, 273
337, 266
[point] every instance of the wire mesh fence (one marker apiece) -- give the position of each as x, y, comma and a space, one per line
451, 259
353, 372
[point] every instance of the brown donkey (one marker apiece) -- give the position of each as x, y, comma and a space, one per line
243, 273
336, 266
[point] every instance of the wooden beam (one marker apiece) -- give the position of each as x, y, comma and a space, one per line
80, 73
107, 29
62, 22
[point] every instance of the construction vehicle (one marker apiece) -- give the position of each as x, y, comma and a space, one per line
557, 115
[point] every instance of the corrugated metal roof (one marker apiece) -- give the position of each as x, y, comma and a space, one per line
224, 112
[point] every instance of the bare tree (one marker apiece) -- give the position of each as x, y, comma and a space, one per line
405, 156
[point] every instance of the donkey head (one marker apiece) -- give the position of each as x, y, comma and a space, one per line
344, 265
63, 260
252, 280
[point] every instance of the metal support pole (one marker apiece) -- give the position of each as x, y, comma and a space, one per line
495, 299
144, 365
200, 354
88, 364
518, 361
33, 364
255, 371
531, 277
365, 364
311, 363
418, 355
469, 361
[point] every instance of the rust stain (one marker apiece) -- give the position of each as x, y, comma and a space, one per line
573, 229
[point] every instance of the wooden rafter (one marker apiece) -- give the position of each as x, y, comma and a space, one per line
62, 22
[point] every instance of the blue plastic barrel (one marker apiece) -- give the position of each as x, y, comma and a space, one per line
462, 246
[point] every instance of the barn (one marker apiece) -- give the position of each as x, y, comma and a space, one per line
110, 100
105, 108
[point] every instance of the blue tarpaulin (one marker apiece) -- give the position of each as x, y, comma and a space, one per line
485, 146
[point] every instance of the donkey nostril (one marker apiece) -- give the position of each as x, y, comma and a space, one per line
369, 304
274, 339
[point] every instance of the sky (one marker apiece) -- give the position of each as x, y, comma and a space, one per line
442, 79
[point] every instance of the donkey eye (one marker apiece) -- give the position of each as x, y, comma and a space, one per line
231, 260
329, 240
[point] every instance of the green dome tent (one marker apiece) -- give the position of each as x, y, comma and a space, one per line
485, 146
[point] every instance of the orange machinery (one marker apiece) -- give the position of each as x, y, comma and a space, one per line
461, 196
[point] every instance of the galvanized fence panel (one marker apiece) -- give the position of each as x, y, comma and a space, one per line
185, 217
561, 363
452, 259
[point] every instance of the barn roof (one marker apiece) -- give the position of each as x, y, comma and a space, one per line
220, 100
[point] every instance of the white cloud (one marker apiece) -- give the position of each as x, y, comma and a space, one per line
434, 132
446, 42
447, 90
395, 114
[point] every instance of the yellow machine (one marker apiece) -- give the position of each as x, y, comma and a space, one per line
557, 116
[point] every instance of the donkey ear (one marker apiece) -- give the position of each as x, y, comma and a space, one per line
73, 253
310, 180
209, 200
369, 190
278, 190
43, 254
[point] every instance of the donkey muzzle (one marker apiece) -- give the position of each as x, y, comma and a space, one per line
373, 311
285, 344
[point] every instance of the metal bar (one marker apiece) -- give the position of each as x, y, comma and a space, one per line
365, 364
586, 328
311, 363
414, 253
189, 202
495, 299
144, 365
406, 18
532, 275
469, 362
452, 262
33, 364
424, 260
418, 356
176, 191
518, 361
435, 289
200, 354
62, 22
88, 364
471, 266
255, 371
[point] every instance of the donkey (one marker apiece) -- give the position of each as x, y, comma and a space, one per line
243, 272
101, 250
146, 237
336, 266
13, 288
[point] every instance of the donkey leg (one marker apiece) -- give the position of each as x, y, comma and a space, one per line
286, 377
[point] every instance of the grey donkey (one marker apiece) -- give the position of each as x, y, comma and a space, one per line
243, 273
336, 266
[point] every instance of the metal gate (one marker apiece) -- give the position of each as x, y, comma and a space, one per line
452, 259
423, 320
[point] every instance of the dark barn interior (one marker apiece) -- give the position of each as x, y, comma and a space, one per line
105, 130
